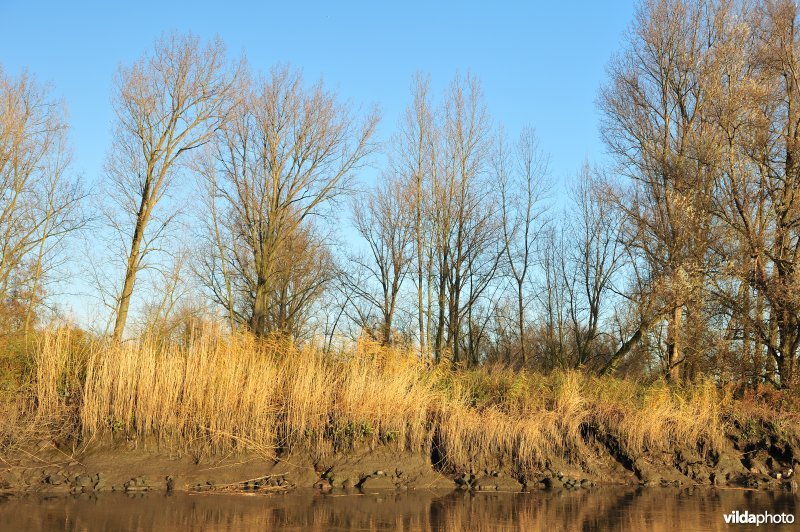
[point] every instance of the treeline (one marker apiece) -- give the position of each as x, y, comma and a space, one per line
676, 258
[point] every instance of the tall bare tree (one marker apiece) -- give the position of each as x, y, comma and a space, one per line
756, 111
416, 162
383, 220
654, 125
521, 176
286, 154
39, 205
169, 102
466, 228
595, 259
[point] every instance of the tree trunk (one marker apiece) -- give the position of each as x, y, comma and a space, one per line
758, 346
439, 344
674, 351
521, 325
258, 320
130, 278
387, 329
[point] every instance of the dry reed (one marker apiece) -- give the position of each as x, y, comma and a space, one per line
228, 392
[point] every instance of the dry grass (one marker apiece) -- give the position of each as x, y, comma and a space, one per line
221, 393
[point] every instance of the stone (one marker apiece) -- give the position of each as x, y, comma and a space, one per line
377, 483
485, 484
83, 481
689, 457
757, 467
59, 489
342, 482
507, 484
569, 482
465, 479
322, 485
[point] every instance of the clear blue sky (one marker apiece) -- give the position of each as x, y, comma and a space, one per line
541, 63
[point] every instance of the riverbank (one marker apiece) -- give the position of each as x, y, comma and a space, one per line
134, 467
230, 412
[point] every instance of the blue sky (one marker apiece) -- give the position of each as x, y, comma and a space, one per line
541, 63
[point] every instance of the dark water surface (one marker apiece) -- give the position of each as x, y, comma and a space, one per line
597, 509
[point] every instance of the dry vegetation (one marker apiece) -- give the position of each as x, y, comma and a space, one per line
219, 393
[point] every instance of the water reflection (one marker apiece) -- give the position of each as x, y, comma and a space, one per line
599, 509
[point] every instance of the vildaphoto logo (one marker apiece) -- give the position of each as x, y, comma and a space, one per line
765, 518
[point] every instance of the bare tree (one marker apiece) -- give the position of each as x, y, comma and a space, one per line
757, 90
285, 155
653, 124
383, 220
167, 103
466, 229
39, 205
552, 345
595, 258
416, 162
521, 174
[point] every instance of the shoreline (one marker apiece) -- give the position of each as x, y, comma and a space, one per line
136, 467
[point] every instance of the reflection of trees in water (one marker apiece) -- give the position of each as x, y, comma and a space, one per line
599, 509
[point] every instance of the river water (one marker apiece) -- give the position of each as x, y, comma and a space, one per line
596, 509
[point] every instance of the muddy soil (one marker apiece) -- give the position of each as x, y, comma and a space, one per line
754, 456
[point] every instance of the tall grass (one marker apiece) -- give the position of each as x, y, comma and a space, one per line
221, 392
